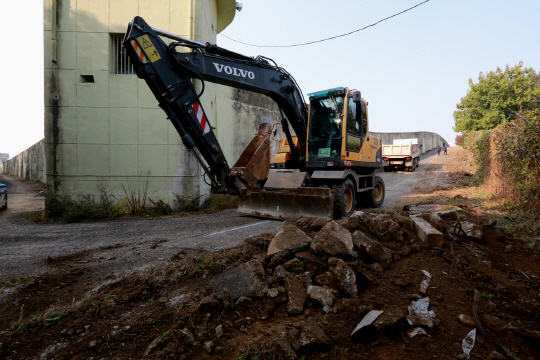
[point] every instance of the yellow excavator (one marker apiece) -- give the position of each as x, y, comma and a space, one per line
326, 160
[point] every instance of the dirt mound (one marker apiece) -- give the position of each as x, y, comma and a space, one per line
367, 274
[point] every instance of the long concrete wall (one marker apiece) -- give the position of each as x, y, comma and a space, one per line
30, 164
427, 140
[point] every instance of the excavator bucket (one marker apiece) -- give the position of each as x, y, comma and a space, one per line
254, 162
284, 197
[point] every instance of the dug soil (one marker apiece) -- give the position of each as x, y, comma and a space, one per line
370, 261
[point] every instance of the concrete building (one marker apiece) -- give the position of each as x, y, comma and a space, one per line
102, 123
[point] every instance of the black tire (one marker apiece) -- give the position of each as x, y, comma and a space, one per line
375, 197
387, 168
413, 167
5, 205
344, 199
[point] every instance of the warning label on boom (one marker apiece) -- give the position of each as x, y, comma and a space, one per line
149, 48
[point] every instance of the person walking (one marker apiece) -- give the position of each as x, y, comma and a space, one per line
439, 150
446, 150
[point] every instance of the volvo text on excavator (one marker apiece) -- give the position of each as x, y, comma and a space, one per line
326, 159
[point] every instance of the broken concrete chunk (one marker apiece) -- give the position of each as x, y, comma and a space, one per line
320, 295
346, 278
209, 346
219, 331
391, 320
318, 224
424, 286
305, 278
448, 215
416, 331
367, 320
419, 314
187, 337
313, 337
286, 348
327, 280
280, 273
272, 293
208, 304
372, 251
468, 342
288, 238
247, 279
296, 294
358, 237
466, 320
333, 239
426, 232
434, 219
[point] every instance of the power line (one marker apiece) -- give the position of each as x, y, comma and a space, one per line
330, 38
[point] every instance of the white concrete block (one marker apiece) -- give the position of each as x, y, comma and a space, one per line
426, 232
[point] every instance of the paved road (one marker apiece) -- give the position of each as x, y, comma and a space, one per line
29, 248
399, 183
23, 198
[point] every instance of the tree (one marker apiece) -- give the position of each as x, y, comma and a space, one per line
459, 140
497, 97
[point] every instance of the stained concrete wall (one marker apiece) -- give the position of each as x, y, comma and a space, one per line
30, 164
428, 140
240, 114
111, 130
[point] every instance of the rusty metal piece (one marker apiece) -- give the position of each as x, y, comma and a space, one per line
254, 162
283, 204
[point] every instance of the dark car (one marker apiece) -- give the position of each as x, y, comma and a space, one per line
3, 197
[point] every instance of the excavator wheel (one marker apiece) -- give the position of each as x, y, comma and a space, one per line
375, 197
344, 198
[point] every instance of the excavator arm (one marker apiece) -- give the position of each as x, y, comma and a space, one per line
169, 69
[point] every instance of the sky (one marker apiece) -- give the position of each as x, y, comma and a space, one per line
412, 69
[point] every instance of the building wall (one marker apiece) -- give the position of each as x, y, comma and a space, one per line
240, 114
112, 129
428, 140
30, 164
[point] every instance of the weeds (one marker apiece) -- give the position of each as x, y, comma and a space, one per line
136, 195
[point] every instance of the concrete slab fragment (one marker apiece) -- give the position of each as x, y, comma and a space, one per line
426, 232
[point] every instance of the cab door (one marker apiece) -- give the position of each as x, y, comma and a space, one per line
354, 131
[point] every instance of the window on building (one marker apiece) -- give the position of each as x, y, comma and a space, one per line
120, 62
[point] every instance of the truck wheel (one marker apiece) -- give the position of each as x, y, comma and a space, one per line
344, 199
376, 196
413, 167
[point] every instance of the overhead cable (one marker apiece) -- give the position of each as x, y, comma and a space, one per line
330, 38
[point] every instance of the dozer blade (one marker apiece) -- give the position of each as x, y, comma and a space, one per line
282, 204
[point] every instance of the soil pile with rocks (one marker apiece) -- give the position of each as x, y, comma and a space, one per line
357, 288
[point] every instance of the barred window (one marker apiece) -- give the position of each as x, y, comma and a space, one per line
120, 62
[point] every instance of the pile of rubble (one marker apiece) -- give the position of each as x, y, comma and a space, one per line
317, 266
